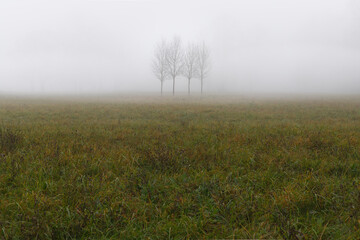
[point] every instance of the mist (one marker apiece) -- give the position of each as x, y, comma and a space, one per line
106, 46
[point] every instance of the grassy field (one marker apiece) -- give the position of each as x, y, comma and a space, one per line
152, 168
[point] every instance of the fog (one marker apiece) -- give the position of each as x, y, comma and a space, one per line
106, 46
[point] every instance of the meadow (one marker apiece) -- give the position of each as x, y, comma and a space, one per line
180, 168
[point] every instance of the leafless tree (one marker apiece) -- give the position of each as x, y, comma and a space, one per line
190, 66
175, 59
203, 63
159, 64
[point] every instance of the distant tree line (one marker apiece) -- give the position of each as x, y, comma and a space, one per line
171, 60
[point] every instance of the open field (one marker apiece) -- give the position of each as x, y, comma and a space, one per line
138, 168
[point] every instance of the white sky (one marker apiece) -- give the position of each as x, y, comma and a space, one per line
81, 46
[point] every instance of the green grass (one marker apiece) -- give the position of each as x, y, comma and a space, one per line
175, 169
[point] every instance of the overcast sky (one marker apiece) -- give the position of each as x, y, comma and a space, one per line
79, 46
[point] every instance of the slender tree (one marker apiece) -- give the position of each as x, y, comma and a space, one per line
174, 59
159, 64
190, 66
203, 61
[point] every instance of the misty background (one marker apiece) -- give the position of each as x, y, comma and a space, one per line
106, 46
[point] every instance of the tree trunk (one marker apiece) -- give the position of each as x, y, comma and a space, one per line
201, 85
162, 88
173, 86
189, 86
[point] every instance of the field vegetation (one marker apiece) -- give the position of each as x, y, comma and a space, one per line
175, 168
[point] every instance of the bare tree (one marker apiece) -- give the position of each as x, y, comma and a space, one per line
190, 66
174, 59
203, 63
159, 64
